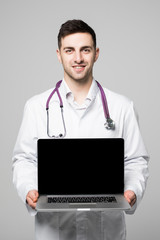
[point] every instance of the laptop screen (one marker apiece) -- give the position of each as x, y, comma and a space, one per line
80, 166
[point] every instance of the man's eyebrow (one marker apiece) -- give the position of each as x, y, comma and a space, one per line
68, 48
83, 47
86, 47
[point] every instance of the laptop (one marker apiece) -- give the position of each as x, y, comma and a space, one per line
81, 174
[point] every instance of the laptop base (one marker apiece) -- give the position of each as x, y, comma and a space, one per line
44, 206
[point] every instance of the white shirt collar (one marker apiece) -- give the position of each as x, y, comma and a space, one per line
80, 109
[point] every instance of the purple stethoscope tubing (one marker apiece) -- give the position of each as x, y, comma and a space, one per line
104, 101
52, 93
110, 125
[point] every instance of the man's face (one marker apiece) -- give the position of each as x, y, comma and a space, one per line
77, 55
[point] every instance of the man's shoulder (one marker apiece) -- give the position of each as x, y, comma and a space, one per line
39, 99
117, 98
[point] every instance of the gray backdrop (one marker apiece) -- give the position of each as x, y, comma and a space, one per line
128, 34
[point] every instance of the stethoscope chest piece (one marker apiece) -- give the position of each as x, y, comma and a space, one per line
109, 124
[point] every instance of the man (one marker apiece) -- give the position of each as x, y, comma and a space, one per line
83, 114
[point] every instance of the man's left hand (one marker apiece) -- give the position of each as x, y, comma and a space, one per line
130, 196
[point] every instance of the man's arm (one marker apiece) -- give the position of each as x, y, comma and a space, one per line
136, 160
25, 157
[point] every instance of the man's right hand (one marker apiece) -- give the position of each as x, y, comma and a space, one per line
32, 198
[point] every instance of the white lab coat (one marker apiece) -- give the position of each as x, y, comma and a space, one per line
109, 225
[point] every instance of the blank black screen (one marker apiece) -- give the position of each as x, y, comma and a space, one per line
80, 166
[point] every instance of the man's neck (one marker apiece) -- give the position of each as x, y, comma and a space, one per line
79, 88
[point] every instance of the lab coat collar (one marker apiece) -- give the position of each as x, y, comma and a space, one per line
65, 90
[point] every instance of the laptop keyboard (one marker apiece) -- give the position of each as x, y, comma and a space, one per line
107, 199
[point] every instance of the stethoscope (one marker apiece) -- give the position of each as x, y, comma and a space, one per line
109, 124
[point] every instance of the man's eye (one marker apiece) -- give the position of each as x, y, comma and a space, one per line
68, 51
86, 50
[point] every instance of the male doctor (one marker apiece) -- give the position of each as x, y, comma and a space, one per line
84, 117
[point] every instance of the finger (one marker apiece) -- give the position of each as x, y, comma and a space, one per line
36, 196
31, 203
130, 197
33, 195
126, 195
133, 201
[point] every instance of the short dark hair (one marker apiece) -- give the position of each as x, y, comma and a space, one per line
75, 26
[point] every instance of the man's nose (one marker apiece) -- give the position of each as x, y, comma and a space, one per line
78, 58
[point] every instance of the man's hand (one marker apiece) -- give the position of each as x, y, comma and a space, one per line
32, 198
130, 196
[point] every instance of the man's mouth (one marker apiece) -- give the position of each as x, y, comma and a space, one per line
79, 68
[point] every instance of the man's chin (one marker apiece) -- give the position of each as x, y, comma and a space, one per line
81, 78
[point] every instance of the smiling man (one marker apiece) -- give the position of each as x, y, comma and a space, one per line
84, 117
77, 53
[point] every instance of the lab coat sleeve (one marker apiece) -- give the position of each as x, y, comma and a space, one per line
136, 157
25, 157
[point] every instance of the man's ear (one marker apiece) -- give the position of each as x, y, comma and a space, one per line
59, 55
96, 55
